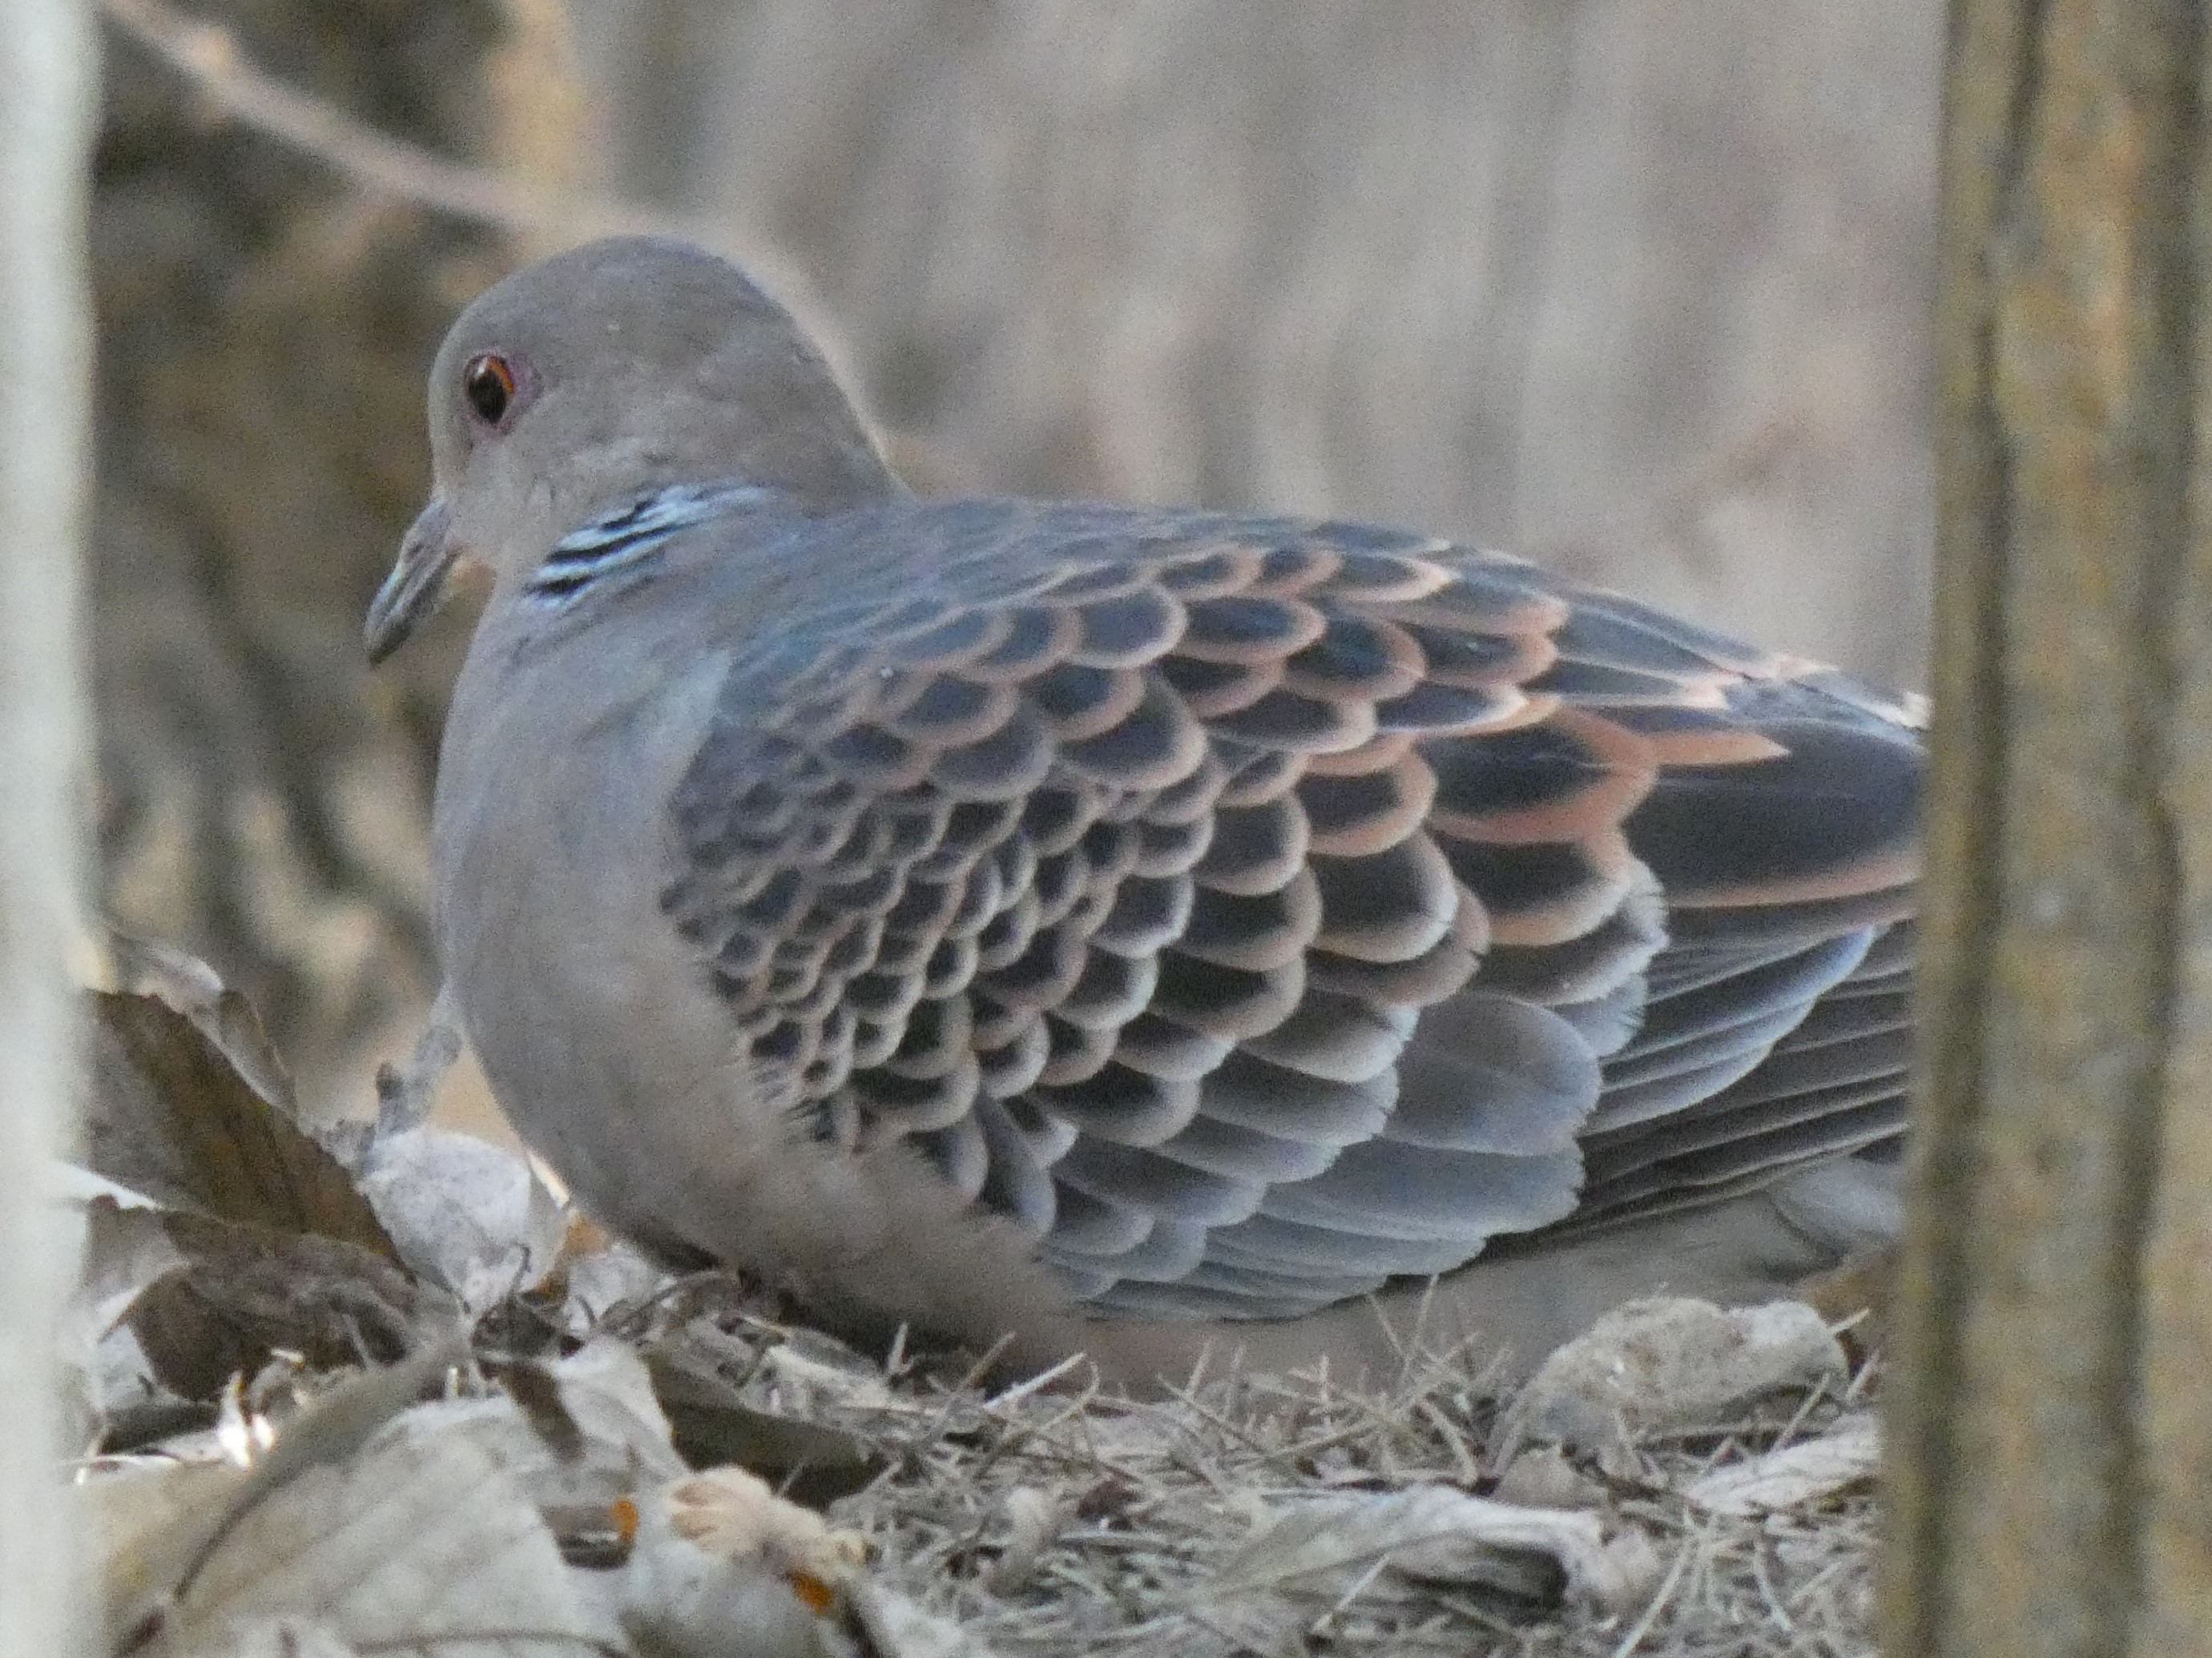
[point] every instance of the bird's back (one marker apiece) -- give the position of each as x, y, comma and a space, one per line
1253, 910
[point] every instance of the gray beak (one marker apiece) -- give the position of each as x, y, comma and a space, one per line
416, 583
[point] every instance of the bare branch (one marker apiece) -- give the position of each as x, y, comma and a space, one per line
208, 57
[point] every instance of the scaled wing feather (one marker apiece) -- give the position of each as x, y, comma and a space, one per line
1251, 910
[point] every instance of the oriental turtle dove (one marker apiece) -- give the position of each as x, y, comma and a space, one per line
1092, 924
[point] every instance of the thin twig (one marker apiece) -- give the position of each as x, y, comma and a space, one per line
208, 57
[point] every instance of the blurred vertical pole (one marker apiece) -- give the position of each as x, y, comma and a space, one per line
47, 116
2051, 1466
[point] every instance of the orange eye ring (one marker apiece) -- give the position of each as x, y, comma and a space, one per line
488, 382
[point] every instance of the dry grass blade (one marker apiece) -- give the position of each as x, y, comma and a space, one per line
1161, 1509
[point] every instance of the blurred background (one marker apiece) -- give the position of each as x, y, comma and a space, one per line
1635, 287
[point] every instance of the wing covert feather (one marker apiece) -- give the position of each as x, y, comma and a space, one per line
1251, 910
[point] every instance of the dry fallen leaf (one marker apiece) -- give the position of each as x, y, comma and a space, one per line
581, 1438
268, 1637
715, 1423
170, 1114
148, 1523
463, 1212
1437, 1534
1666, 1363
1542, 1477
154, 1527
239, 1292
1801, 1476
603, 1277
418, 1545
223, 1015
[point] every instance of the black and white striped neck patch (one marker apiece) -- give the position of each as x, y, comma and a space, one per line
630, 536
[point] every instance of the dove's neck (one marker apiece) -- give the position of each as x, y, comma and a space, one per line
625, 541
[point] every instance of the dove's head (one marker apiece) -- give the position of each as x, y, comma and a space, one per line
590, 379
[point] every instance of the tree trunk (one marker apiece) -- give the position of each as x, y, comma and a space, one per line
45, 365
2051, 1481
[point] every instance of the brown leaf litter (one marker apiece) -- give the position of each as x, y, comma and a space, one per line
577, 1453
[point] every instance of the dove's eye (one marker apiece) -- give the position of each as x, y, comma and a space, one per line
489, 383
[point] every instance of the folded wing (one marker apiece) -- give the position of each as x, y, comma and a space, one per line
1253, 910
